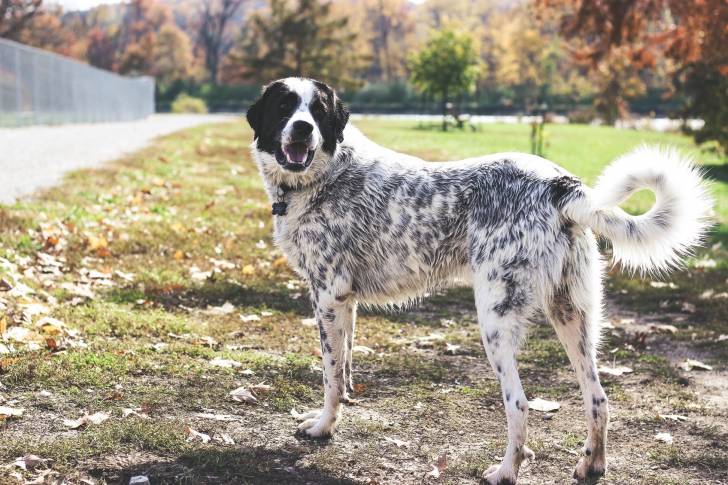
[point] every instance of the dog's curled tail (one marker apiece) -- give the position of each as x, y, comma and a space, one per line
656, 241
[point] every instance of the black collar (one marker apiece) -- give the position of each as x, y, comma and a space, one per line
280, 207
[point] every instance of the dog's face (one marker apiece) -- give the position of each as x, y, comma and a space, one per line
296, 123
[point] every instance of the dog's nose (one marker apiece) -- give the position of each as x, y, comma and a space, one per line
302, 129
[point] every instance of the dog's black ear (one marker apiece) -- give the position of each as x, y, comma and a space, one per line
255, 114
341, 117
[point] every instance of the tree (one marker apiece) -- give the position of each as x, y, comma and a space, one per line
448, 66
172, 55
46, 31
613, 40
101, 48
212, 36
621, 37
305, 40
390, 24
15, 15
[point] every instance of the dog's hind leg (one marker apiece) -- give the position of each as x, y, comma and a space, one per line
501, 304
333, 318
575, 313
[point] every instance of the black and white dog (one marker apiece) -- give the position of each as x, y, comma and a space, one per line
363, 224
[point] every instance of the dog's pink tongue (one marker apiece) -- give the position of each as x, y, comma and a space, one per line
297, 152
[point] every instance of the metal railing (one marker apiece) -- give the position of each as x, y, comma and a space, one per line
39, 87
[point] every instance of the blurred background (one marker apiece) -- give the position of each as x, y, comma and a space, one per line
659, 64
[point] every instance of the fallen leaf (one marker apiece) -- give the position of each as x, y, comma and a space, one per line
691, 364
687, 307
662, 284
614, 371
662, 327
29, 462
673, 417
192, 435
362, 349
261, 388
434, 473
127, 412
248, 270
396, 442
226, 363
451, 349
241, 394
224, 309
438, 467
96, 418
249, 318
216, 417
8, 412
223, 438
198, 275
309, 322
664, 437
543, 405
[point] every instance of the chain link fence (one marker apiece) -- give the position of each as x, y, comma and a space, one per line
38, 87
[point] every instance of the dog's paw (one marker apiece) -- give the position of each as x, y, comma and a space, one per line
317, 427
588, 471
498, 475
527, 454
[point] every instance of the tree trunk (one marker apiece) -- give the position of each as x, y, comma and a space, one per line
445, 100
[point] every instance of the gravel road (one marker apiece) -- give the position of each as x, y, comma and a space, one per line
35, 157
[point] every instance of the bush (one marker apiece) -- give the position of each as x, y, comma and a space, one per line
184, 103
582, 116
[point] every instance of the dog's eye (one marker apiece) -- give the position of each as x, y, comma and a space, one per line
284, 105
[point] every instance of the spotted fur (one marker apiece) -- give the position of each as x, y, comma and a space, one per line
368, 225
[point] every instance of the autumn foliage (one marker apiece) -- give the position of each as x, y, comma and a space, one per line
667, 56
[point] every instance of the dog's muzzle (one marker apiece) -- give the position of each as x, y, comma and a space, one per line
296, 153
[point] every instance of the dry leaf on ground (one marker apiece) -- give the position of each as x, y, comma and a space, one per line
192, 435
543, 405
614, 371
96, 418
241, 394
691, 364
226, 363
396, 442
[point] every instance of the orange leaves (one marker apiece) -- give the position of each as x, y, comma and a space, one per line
98, 245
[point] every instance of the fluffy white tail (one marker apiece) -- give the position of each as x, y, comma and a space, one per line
657, 240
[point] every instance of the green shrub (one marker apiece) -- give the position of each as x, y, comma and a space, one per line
184, 103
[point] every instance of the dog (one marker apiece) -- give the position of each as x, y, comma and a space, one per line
366, 225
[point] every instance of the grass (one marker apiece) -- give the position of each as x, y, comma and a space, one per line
193, 203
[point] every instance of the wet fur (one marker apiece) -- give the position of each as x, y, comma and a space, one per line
366, 225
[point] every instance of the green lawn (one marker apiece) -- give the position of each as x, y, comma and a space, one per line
123, 288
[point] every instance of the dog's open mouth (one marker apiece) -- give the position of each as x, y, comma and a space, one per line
294, 156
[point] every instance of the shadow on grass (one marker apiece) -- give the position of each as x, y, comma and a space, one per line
214, 293
717, 172
239, 464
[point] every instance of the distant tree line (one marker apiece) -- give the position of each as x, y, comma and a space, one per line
608, 57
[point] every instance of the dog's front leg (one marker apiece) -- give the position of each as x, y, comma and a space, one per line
334, 318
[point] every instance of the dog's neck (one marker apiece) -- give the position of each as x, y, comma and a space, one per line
282, 186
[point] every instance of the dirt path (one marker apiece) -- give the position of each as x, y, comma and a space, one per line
38, 156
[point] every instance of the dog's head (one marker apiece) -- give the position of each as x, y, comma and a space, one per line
296, 123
